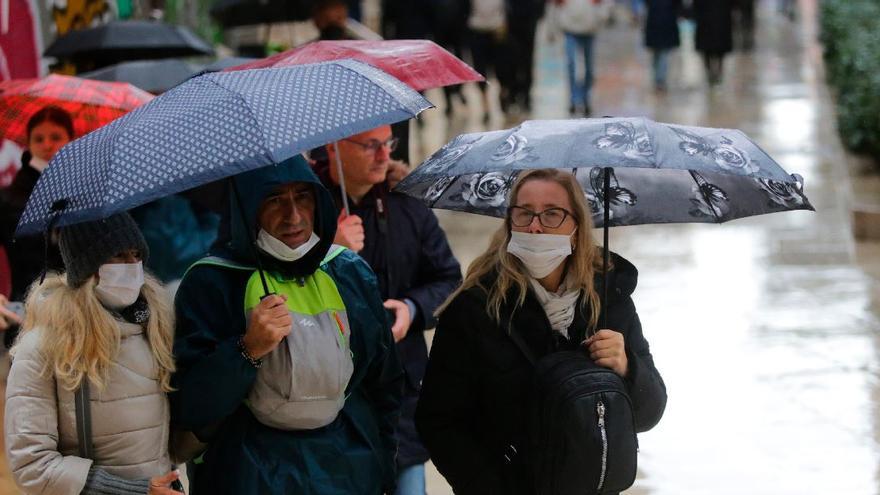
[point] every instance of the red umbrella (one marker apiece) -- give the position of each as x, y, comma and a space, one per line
90, 103
421, 64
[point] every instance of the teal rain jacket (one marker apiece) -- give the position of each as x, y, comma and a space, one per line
352, 455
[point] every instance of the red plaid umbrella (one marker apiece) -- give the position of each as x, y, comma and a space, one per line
90, 103
420, 64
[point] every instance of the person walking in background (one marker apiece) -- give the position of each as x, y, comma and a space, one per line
579, 21
487, 24
661, 37
714, 37
403, 243
449, 25
522, 22
48, 130
294, 384
745, 10
86, 405
540, 278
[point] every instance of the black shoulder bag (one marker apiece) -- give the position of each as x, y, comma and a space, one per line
581, 431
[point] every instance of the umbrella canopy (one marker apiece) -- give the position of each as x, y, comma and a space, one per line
118, 41
91, 103
225, 63
231, 13
421, 64
210, 127
155, 76
632, 170
657, 173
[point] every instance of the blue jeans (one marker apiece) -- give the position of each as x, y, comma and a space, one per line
579, 91
411, 480
661, 66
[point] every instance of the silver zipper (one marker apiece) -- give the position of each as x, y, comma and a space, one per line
600, 410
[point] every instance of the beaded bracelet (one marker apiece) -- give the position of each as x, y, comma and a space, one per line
256, 363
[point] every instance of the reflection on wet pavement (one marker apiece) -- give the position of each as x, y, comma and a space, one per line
765, 329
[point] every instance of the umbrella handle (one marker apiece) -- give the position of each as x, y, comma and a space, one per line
605, 255
253, 243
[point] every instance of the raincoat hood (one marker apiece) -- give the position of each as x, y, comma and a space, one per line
254, 187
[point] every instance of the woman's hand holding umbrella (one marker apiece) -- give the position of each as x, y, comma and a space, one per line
608, 349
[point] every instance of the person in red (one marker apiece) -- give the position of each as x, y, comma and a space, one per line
47, 131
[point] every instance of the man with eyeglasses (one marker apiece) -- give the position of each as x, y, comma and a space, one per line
403, 243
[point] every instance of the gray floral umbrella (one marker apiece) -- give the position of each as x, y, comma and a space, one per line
657, 173
632, 170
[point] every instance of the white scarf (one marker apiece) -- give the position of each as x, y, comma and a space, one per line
559, 305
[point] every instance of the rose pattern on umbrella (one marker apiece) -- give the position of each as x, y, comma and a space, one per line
514, 149
708, 199
438, 188
617, 196
440, 161
489, 189
785, 194
623, 135
726, 155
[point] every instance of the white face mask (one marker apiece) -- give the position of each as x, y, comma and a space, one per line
38, 164
540, 253
119, 284
282, 252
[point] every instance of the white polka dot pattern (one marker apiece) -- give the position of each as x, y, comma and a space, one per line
213, 126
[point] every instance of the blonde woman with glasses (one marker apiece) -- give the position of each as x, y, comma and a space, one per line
539, 278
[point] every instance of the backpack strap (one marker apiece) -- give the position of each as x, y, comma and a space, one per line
517, 339
84, 420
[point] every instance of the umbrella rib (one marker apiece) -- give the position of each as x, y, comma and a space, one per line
247, 107
705, 197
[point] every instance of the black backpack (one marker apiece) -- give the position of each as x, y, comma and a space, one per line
581, 430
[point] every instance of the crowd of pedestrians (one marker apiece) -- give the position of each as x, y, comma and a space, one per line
293, 357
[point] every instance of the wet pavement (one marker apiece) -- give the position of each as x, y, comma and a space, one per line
765, 329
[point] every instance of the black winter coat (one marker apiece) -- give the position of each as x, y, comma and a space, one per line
661, 24
475, 391
714, 20
412, 259
26, 255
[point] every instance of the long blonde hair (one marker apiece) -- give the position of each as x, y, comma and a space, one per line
80, 338
583, 263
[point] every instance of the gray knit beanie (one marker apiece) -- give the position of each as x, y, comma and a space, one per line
86, 246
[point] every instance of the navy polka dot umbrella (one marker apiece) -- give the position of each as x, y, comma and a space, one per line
211, 127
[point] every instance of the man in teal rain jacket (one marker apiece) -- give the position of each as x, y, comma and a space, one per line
299, 391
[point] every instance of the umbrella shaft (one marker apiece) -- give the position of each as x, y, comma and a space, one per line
607, 206
341, 178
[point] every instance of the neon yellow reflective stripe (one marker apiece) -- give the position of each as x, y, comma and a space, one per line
317, 294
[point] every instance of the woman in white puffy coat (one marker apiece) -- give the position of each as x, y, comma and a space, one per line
105, 328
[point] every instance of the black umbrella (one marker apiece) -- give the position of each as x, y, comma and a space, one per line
246, 12
118, 41
155, 76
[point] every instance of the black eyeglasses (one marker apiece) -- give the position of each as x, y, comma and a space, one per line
551, 218
373, 145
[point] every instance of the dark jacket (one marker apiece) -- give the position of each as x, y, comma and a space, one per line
661, 24
714, 20
412, 259
475, 392
26, 255
352, 455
